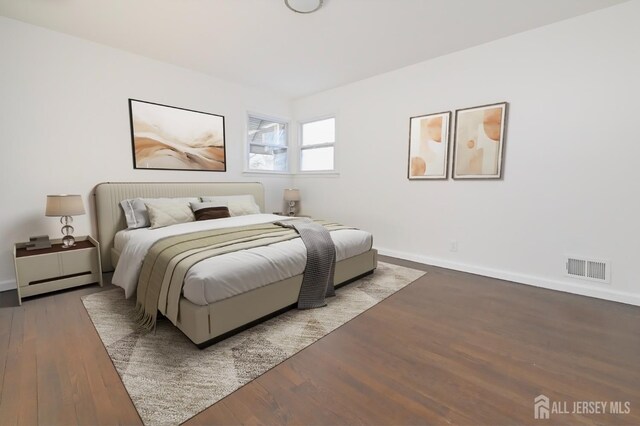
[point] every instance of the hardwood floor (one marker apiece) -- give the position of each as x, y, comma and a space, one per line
449, 348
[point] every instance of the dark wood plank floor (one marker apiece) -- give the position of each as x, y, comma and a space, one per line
449, 348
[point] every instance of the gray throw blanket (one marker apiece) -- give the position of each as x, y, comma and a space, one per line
317, 282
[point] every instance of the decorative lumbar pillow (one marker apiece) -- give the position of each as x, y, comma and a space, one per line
135, 210
239, 205
208, 211
171, 212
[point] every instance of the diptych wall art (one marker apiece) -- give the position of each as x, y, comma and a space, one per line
429, 146
171, 138
479, 142
478, 145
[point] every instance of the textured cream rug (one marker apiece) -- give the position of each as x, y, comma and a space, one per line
170, 380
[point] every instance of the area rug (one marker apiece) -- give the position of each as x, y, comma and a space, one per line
170, 380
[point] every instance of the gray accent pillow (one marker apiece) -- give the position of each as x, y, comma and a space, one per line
135, 212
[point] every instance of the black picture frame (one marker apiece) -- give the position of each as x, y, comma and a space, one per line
160, 145
481, 166
424, 151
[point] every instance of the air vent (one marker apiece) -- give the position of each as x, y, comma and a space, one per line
588, 269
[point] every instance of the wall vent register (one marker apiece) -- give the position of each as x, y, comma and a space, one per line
588, 269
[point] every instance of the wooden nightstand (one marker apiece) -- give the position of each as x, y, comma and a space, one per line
57, 268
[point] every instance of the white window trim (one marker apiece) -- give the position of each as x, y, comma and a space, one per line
266, 172
248, 171
335, 171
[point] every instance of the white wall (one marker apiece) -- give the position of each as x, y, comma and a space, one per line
64, 125
570, 171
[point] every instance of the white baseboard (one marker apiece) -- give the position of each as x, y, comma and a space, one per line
565, 286
7, 285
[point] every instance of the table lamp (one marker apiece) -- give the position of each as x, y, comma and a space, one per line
292, 196
65, 206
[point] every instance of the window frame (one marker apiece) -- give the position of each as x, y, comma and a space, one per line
333, 144
247, 145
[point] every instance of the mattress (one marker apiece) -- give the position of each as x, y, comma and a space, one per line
224, 276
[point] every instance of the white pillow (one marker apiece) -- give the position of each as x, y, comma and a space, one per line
239, 205
169, 212
135, 210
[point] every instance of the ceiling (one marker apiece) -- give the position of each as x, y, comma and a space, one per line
262, 43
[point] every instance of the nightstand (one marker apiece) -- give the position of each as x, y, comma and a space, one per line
56, 268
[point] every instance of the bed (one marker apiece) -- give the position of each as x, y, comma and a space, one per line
215, 306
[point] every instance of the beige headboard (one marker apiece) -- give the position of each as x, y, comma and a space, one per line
111, 217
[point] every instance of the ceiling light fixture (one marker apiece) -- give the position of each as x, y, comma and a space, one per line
304, 6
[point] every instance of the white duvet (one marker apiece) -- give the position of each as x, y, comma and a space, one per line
234, 273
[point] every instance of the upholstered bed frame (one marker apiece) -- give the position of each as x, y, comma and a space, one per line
205, 325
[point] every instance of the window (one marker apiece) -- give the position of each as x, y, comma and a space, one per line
317, 149
267, 139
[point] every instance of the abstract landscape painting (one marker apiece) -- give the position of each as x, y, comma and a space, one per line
479, 142
428, 146
170, 138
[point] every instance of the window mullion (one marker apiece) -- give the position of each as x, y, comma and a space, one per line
318, 145
267, 145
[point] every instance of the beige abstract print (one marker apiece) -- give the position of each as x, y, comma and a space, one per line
171, 138
428, 146
479, 141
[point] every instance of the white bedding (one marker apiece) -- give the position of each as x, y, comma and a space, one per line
230, 274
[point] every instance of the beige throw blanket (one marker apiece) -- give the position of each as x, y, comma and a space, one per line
169, 259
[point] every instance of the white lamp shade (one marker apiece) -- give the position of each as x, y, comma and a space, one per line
292, 195
64, 205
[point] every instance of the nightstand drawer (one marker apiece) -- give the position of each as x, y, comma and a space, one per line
79, 261
36, 268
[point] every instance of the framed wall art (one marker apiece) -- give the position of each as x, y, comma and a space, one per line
170, 138
479, 142
428, 146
